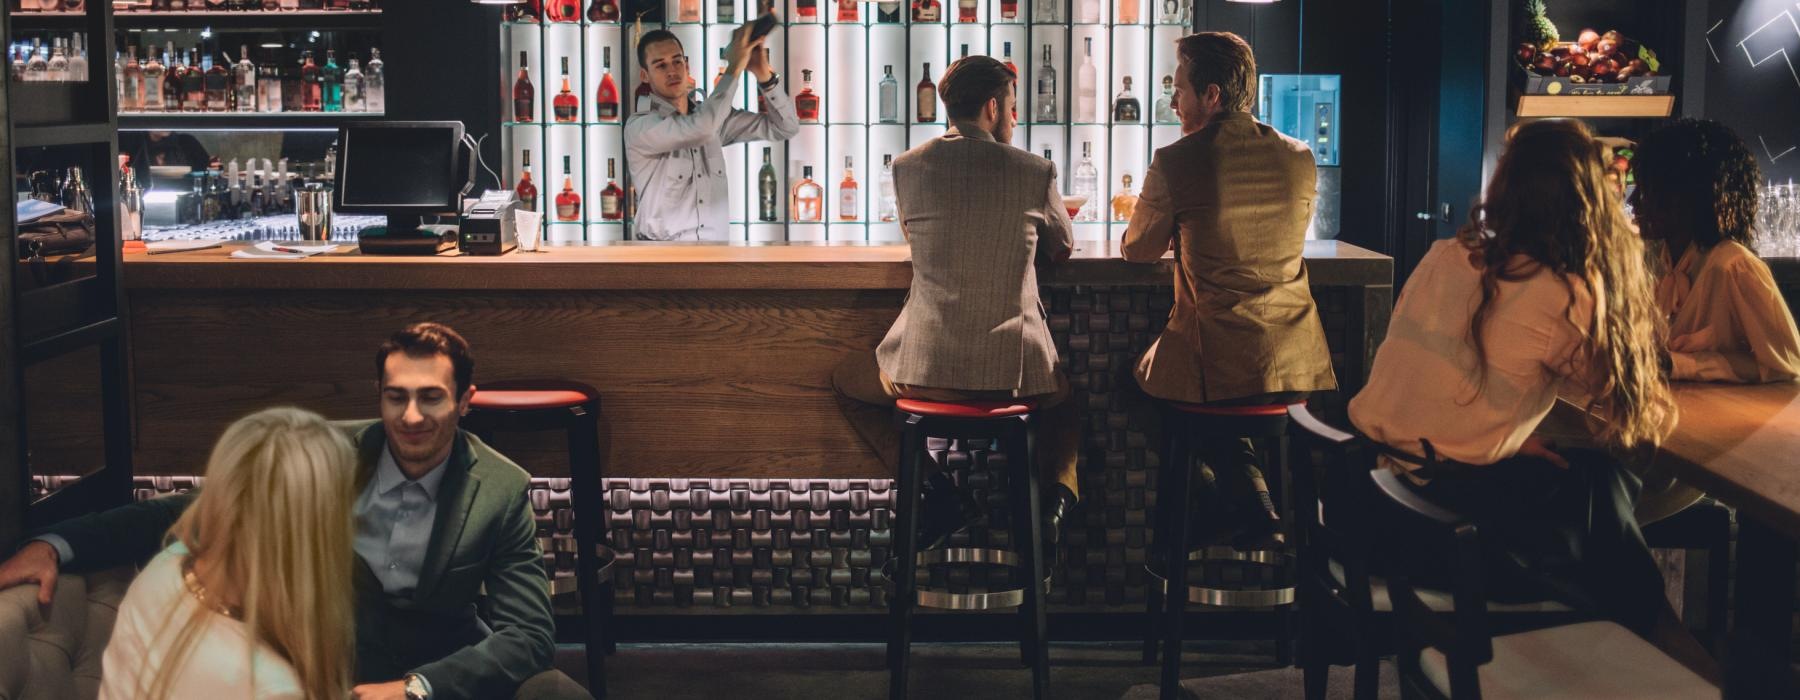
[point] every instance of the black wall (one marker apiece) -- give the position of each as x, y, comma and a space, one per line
440, 58
1753, 78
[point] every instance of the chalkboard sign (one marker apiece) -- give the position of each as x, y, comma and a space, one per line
1753, 78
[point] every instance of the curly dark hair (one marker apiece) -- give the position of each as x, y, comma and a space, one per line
1697, 175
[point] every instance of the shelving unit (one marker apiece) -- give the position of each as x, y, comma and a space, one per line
50, 321
847, 60
1595, 106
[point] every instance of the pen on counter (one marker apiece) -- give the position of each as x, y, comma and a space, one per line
283, 249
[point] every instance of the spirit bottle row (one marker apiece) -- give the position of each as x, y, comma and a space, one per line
236, 5
1085, 188
63, 60
846, 11
565, 107
568, 201
191, 81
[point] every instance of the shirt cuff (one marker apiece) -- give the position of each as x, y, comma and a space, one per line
64, 553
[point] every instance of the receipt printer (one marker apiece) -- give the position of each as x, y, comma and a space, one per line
487, 224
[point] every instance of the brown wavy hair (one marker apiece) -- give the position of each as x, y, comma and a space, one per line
1549, 201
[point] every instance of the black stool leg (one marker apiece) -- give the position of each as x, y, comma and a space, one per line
1155, 605
1177, 500
1025, 506
900, 607
1289, 620
1718, 581
585, 475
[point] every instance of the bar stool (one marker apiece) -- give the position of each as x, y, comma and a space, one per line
1007, 422
574, 409
1183, 424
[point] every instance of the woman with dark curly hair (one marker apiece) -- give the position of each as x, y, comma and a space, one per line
1696, 193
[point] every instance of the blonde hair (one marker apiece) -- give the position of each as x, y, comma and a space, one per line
274, 524
1549, 201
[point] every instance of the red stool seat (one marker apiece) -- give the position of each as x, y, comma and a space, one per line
1278, 409
515, 400
966, 409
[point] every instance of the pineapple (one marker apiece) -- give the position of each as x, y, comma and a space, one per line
1542, 30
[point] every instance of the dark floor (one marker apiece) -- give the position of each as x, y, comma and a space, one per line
939, 671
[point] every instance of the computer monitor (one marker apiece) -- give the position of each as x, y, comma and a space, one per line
405, 170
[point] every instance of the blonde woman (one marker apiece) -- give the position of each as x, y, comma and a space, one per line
252, 597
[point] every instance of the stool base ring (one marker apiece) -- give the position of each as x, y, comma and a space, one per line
927, 597
1233, 597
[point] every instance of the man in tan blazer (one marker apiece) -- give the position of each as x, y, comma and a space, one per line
981, 216
1233, 198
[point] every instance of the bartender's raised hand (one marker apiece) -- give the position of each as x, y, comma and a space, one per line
743, 48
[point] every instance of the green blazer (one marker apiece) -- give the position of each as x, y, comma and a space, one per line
484, 537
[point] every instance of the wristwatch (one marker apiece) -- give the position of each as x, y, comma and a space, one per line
417, 688
774, 79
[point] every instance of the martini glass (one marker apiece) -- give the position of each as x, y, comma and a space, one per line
1074, 203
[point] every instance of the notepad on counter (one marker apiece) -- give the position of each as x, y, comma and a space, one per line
29, 209
156, 247
269, 250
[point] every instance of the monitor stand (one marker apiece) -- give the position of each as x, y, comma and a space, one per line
405, 235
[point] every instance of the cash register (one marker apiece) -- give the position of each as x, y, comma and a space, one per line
407, 171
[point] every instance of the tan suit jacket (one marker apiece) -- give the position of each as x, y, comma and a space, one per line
1233, 200
980, 216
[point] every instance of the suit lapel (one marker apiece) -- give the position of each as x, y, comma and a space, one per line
456, 497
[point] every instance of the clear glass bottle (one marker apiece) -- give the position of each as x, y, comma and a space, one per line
375, 82
78, 59
806, 104
927, 98
268, 87
612, 199
888, 97
1087, 184
57, 68
1165, 105
1047, 11
1087, 11
37, 67
568, 203
356, 96
1086, 90
526, 190
765, 189
1126, 108
1125, 201
244, 81
136, 98
1045, 104
809, 198
887, 188
849, 204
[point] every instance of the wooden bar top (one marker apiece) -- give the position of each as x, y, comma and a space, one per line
1741, 444
667, 266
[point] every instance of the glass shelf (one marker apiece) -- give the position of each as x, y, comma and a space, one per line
566, 223
517, 124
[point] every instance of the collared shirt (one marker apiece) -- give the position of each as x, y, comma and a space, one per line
394, 517
678, 160
1727, 321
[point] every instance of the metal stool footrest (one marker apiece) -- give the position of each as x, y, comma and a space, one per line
1249, 596
944, 600
609, 562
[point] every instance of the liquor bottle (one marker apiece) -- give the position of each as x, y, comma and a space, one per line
640, 98
606, 99
927, 11
243, 78
78, 59
848, 194
268, 88
603, 11
806, 104
37, 67
1126, 108
688, 11
847, 11
1085, 100
568, 204
1087, 11
807, 10
331, 78
217, 83
526, 190
1165, 105
375, 82
524, 95
887, 11
131, 90
1087, 184
1006, 58
809, 198
193, 84
1046, 90
964, 52
563, 10
887, 188
765, 189
966, 10
1174, 12
153, 76
1124, 202
58, 65
612, 199
927, 98
727, 12
311, 90
18, 70
173, 71
1009, 10
1047, 11
888, 97
566, 106
1128, 11
356, 95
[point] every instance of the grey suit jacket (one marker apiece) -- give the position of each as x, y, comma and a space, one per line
980, 216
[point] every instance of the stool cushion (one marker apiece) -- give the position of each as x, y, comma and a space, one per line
1279, 409
1586, 660
966, 409
516, 400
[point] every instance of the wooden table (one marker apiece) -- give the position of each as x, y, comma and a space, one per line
1742, 445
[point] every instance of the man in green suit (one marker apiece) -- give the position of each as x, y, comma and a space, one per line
439, 516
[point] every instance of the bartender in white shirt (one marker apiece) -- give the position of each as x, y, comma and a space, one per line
676, 150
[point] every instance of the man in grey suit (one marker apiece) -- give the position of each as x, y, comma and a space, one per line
981, 217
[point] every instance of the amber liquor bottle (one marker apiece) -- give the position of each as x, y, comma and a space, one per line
603, 11
606, 98
927, 11
524, 95
809, 198
806, 104
847, 194
527, 190
563, 10
566, 105
612, 199
927, 98
847, 10
568, 204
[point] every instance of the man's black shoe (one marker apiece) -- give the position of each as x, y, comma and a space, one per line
1058, 504
941, 514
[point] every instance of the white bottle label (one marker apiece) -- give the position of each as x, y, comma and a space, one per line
847, 203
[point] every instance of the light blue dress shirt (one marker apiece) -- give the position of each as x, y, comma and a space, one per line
394, 517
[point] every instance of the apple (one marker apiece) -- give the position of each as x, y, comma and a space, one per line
1563, 69
1527, 52
1587, 39
1544, 64
1607, 46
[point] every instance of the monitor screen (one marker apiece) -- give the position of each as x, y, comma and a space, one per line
399, 167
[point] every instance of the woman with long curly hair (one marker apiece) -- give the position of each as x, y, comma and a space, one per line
1543, 294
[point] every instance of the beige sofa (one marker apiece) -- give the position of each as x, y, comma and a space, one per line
58, 657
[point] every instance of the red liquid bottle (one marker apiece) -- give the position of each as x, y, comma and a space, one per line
847, 10
524, 95
966, 10
612, 199
566, 105
927, 11
564, 10
603, 11
526, 190
806, 104
1009, 10
528, 11
606, 99
568, 204
311, 91
808, 9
